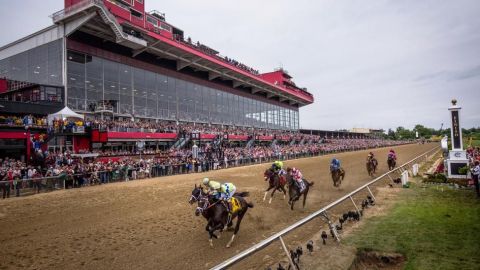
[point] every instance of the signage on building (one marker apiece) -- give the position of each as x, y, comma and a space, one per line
456, 140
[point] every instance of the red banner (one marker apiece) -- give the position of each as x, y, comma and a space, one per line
237, 137
265, 138
113, 135
207, 136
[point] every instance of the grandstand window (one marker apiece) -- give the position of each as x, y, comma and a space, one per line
129, 2
148, 94
37, 65
125, 89
136, 13
151, 93
152, 20
139, 92
41, 65
76, 57
172, 98
165, 27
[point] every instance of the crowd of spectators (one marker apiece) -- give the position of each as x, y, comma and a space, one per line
66, 170
207, 50
127, 125
235, 63
150, 126
26, 121
473, 154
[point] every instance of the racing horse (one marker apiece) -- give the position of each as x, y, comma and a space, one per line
216, 213
338, 176
294, 191
372, 164
275, 182
391, 163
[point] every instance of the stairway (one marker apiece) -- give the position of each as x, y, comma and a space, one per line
250, 142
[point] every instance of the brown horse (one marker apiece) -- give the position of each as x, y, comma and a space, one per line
338, 176
275, 182
217, 214
391, 163
372, 164
294, 190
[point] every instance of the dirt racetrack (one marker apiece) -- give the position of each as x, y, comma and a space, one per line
148, 224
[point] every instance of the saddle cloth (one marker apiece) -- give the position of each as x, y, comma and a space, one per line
235, 205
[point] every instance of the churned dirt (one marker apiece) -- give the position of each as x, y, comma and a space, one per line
148, 224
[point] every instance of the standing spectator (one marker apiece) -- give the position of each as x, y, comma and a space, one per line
4, 184
475, 174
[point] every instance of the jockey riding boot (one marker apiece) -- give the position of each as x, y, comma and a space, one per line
229, 209
300, 186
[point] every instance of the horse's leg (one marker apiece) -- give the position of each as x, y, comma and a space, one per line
284, 192
219, 226
271, 196
266, 191
237, 226
305, 197
210, 233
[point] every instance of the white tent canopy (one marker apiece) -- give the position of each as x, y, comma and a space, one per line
64, 114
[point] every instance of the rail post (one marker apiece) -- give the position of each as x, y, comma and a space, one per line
371, 193
331, 226
354, 204
286, 252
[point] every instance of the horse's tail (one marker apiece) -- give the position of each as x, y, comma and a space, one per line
242, 194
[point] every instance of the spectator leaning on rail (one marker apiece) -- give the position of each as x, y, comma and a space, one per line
475, 175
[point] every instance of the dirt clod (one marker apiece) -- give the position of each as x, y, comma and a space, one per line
370, 259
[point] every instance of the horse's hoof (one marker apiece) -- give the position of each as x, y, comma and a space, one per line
211, 243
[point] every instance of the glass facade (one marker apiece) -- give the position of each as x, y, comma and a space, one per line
147, 94
40, 65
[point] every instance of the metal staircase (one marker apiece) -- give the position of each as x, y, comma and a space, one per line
250, 142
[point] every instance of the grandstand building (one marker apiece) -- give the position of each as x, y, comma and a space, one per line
110, 59
114, 59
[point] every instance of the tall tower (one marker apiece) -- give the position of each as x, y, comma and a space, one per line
457, 157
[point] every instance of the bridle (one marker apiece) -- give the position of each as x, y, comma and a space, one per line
207, 205
194, 198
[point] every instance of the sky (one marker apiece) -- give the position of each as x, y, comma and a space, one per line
369, 64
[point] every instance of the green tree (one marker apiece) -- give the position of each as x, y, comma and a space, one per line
404, 133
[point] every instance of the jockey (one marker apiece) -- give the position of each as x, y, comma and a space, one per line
298, 177
334, 165
392, 154
370, 157
277, 167
223, 192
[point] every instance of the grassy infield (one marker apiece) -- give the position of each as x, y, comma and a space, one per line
433, 229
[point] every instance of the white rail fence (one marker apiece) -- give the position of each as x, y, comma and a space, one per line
323, 213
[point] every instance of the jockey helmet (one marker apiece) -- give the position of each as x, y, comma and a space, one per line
206, 181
